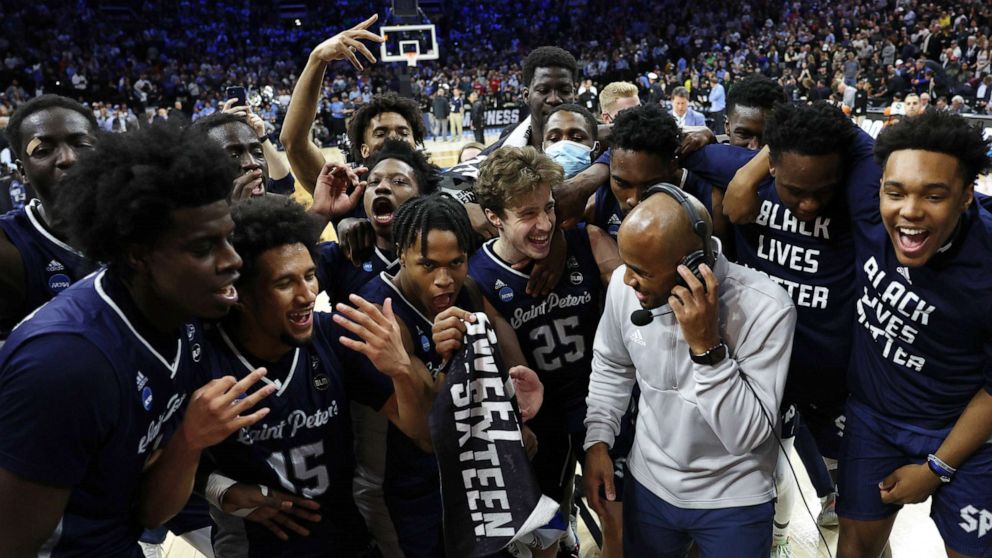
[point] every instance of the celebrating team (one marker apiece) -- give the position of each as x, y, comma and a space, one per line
675, 312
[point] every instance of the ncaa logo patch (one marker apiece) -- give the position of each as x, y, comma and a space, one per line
505, 292
59, 282
146, 398
321, 381
367, 267
425, 343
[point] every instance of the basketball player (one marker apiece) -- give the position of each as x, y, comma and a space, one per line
398, 173
94, 384
239, 140
47, 134
304, 445
554, 331
919, 419
432, 235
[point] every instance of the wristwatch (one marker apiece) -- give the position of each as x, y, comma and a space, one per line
713, 355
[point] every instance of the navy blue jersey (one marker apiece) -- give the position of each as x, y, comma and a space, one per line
608, 216
923, 344
813, 261
606, 212
340, 278
85, 400
555, 332
411, 482
303, 446
50, 265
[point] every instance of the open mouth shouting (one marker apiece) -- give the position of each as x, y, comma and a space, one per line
442, 302
911, 241
383, 211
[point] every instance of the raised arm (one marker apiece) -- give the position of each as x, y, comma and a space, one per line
387, 344
305, 158
739, 395
740, 202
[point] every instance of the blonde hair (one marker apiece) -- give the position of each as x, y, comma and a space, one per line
510, 173
614, 91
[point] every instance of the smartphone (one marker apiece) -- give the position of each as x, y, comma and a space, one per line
238, 93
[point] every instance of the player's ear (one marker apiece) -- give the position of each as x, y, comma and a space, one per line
493, 219
365, 150
137, 258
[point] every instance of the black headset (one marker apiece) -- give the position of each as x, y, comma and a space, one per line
693, 259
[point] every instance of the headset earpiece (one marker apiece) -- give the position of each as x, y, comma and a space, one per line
696, 258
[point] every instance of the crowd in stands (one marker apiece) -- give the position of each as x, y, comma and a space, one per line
157, 58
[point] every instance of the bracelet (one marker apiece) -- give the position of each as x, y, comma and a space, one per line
943, 471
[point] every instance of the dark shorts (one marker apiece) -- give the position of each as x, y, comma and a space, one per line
874, 447
653, 527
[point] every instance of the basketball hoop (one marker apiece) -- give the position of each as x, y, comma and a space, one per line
411, 58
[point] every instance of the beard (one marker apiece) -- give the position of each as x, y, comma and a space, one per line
295, 342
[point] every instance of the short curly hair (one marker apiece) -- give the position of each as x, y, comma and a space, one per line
577, 109
647, 128
125, 189
941, 133
44, 102
817, 129
511, 172
756, 91
436, 212
265, 222
549, 57
428, 176
387, 102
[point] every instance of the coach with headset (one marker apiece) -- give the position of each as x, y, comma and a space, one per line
708, 343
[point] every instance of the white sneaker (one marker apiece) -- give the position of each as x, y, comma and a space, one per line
783, 550
828, 511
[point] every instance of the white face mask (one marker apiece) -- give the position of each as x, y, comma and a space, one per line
574, 157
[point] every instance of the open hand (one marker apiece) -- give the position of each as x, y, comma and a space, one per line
345, 44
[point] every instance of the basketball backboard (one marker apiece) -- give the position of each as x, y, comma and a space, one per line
401, 39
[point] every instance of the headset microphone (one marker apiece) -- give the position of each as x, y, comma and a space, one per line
641, 317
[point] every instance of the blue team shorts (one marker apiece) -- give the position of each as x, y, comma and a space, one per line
653, 527
873, 447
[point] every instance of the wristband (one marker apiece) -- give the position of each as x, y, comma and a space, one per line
943, 471
217, 486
